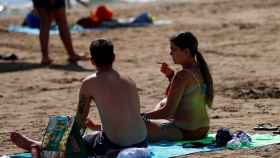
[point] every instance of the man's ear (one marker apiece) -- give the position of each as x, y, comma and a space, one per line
114, 57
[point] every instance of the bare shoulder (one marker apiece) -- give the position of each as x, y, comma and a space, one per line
193, 76
182, 75
185, 76
88, 82
89, 78
128, 79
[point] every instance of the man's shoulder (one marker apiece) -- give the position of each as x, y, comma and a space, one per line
90, 77
89, 80
88, 84
128, 79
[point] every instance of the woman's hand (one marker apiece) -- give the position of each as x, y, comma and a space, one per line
167, 71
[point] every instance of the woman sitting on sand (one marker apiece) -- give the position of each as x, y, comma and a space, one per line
182, 115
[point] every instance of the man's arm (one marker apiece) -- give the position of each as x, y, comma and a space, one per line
83, 107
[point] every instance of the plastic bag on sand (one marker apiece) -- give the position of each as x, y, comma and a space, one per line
135, 153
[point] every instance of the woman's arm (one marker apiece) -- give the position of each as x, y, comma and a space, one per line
173, 99
169, 73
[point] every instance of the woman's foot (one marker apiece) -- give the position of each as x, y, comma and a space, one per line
23, 142
46, 61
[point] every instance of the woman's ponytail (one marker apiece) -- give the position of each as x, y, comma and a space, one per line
207, 78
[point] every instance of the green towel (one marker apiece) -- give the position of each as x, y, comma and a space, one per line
264, 139
166, 149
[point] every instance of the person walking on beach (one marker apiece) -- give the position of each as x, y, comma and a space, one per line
50, 10
182, 115
117, 101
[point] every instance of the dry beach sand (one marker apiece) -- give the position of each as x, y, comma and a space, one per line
240, 39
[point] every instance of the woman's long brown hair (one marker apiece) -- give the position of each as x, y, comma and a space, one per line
188, 40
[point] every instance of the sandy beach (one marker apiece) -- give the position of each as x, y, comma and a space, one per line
240, 40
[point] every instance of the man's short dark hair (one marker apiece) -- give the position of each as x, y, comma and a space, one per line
102, 52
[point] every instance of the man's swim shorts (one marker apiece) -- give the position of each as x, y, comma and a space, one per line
100, 144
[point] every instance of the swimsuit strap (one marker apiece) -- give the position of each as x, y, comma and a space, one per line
192, 75
202, 86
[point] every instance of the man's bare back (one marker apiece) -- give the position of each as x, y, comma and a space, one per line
118, 104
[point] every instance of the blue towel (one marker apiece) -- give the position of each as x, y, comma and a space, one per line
141, 20
21, 155
166, 150
54, 31
28, 30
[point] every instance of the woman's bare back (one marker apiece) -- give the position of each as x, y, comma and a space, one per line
192, 112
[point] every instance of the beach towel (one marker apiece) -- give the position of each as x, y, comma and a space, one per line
141, 20
165, 149
53, 31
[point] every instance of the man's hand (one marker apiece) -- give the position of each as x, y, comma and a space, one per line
91, 125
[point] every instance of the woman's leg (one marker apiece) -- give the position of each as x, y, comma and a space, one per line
195, 134
64, 32
23, 141
60, 18
45, 24
163, 130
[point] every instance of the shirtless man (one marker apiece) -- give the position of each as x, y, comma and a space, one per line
117, 101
